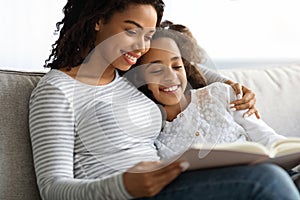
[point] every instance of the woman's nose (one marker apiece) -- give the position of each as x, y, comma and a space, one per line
140, 45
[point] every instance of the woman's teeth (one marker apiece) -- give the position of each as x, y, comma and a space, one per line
131, 58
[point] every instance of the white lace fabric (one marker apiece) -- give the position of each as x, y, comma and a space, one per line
207, 119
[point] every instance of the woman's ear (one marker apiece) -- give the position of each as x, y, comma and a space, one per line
98, 25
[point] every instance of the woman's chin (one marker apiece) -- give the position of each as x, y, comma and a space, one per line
122, 66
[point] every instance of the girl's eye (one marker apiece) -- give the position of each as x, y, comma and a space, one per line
130, 32
156, 71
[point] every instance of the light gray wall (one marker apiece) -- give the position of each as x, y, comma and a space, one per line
233, 32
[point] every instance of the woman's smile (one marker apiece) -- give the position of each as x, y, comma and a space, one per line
130, 57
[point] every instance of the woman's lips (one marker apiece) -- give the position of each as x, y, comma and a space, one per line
130, 57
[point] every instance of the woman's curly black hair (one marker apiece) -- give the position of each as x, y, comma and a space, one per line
77, 29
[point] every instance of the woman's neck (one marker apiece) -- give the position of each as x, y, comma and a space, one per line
173, 110
90, 75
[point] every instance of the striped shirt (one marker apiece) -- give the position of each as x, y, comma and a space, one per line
84, 137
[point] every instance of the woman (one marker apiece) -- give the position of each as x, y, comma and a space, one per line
90, 128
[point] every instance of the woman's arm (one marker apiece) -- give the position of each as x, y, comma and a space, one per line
212, 76
246, 97
52, 123
257, 129
147, 179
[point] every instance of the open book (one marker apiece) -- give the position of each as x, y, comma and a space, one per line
285, 153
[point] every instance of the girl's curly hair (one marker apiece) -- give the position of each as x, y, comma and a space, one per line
76, 30
191, 55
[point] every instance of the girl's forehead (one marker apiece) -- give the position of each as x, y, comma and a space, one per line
165, 44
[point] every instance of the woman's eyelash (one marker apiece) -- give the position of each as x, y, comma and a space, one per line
133, 32
147, 38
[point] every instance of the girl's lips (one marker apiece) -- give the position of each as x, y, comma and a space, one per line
170, 88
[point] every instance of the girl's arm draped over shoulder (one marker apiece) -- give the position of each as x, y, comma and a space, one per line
52, 129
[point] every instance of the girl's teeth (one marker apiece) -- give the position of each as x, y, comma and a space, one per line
171, 89
133, 59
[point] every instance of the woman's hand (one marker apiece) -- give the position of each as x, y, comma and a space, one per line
245, 99
147, 179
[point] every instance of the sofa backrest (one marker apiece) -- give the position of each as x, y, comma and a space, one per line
17, 180
277, 92
276, 88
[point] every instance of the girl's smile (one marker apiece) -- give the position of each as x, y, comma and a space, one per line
163, 72
170, 89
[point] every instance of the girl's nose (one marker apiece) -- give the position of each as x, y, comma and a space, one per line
170, 75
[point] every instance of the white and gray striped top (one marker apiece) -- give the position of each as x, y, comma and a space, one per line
84, 137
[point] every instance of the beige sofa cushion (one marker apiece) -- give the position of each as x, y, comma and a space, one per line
278, 94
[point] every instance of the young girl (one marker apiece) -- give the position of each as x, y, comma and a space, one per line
198, 115
92, 131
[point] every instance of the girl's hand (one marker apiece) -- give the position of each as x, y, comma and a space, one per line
245, 99
147, 179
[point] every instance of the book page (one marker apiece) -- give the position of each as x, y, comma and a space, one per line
243, 153
246, 147
285, 146
220, 158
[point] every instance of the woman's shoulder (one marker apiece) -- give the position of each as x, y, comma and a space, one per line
55, 77
53, 82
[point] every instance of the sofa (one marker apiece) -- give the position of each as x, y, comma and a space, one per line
276, 90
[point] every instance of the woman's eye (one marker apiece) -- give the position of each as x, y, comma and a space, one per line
178, 67
148, 37
156, 70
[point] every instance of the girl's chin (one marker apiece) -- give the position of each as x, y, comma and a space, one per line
170, 102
